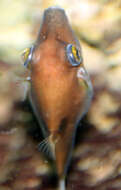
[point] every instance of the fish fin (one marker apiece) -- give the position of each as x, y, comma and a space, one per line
84, 79
62, 185
44, 147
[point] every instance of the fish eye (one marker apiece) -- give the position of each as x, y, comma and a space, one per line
73, 55
27, 56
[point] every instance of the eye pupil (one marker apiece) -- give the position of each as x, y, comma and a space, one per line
78, 55
73, 55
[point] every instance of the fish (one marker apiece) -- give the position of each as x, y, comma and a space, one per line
61, 90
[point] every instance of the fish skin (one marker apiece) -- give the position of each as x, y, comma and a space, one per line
60, 94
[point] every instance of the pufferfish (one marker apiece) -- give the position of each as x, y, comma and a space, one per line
61, 90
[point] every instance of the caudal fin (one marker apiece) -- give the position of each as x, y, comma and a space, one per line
62, 185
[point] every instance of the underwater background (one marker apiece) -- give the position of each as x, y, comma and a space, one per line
96, 161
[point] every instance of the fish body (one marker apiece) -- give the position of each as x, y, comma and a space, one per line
61, 90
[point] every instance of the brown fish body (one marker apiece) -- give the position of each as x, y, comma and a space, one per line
57, 95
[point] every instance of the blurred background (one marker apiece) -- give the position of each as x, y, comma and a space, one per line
96, 162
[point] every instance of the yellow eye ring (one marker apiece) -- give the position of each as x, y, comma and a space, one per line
74, 55
27, 56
